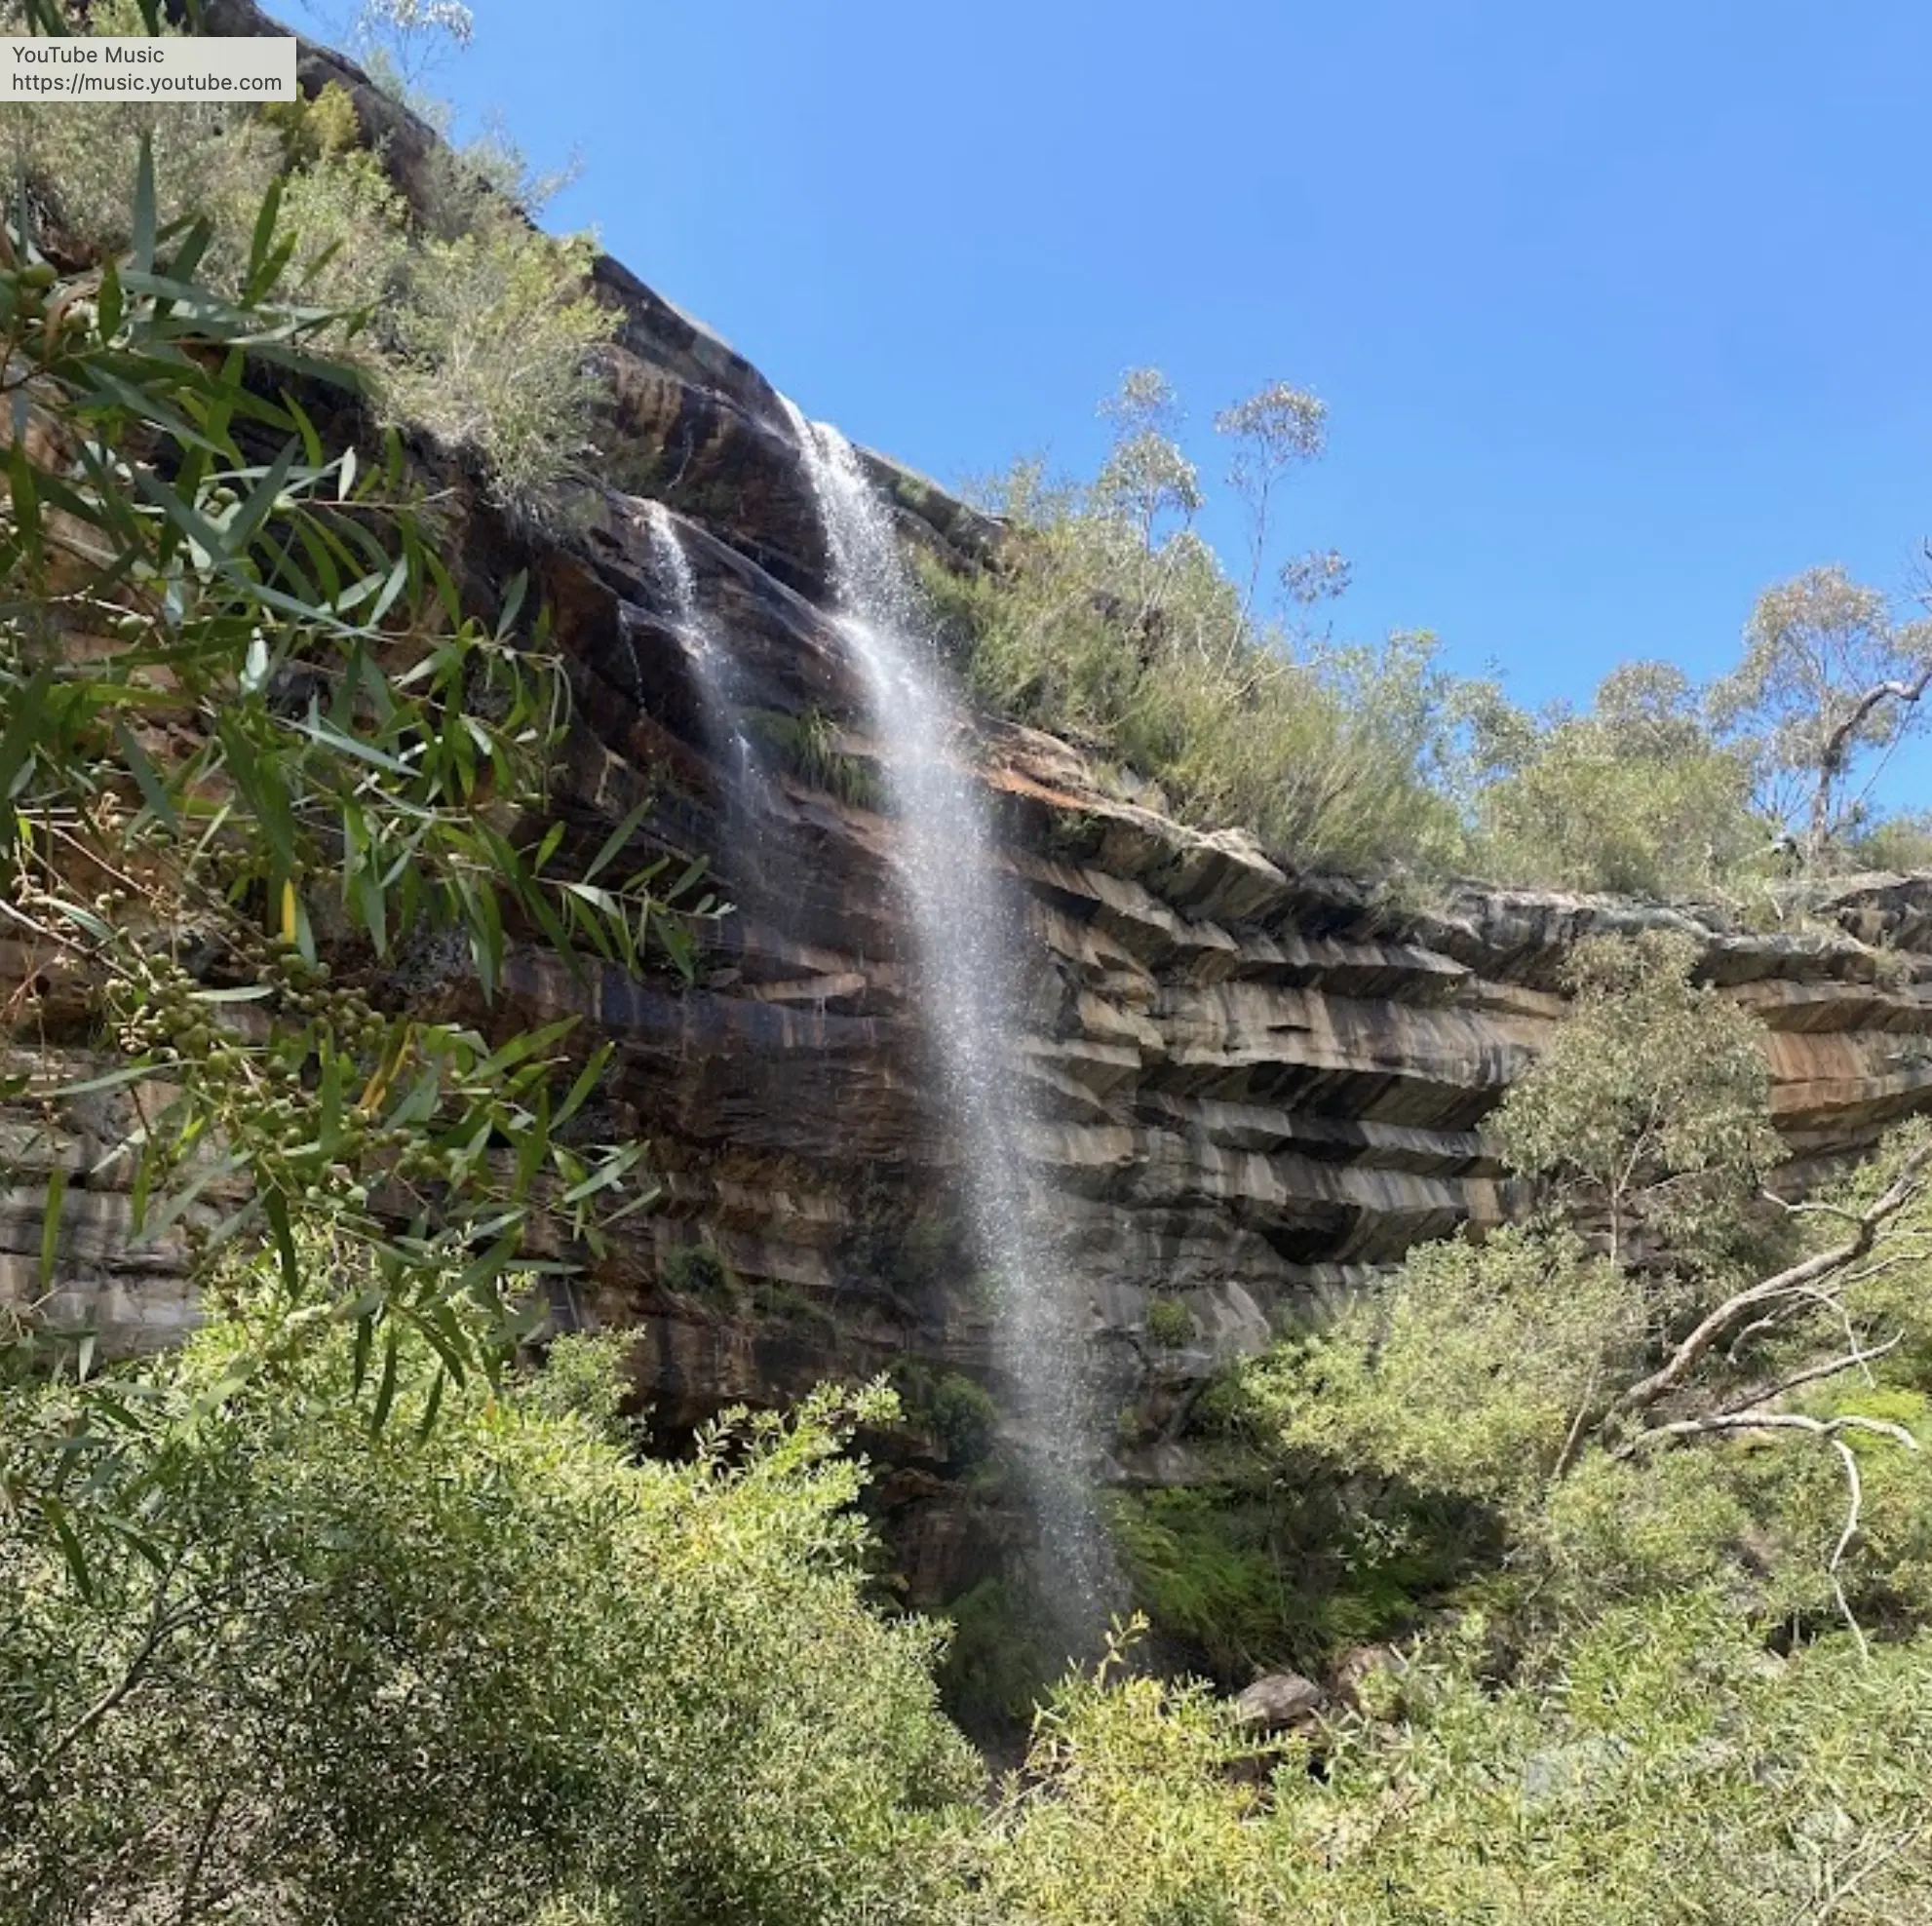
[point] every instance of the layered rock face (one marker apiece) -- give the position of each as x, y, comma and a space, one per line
1255, 1085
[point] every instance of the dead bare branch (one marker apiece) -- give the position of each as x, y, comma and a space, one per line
1858, 1358
1856, 1489
1796, 1279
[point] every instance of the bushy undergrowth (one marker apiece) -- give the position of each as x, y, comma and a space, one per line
471, 324
369, 1662
1656, 1765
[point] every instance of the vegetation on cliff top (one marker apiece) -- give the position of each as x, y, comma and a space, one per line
1109, 620
465, 321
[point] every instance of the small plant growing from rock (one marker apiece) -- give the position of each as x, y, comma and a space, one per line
963, 1416
1170, 1324
697, 1270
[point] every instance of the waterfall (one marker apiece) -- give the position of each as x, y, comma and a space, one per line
965, 951
710, 663
712, 671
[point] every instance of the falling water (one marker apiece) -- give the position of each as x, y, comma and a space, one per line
723, 712
965, 953
711, 664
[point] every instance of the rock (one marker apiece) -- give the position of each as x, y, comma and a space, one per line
1280, 1702
1586, 1769
1357, 1664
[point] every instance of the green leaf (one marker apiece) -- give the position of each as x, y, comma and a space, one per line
359, 1359
16, 745
183, 1198
311, 441
613, 1170
109, 302
260, 789
643, 1201
262, 242
57, 1516
587, 1080
243, 522
25, 496
50, 1223
523, 1045
616, 840
143, 254
276, 1207
385, 1390
398, 580
487, 937
83, 919
188, 255
437, 1321
159, 804
375, 902
478, 1277
513, 593
431, 1404
693, 871
188, 518
333, 738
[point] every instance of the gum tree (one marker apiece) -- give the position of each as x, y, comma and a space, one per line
1831, 684
254, 755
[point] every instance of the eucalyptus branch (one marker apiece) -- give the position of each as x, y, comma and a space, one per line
1855, 1505
1761, 1421
1859, 1358
1796, 1279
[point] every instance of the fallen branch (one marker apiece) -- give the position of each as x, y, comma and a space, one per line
1796, 1279
1831, 1430
1759, 1420
1849, 1459
1859, 1358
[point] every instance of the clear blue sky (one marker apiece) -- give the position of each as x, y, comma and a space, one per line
1621, 313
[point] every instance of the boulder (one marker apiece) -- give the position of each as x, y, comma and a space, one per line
1280, 1702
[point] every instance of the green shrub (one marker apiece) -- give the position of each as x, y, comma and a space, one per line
1904, 842
1463, 1376
963, 1416
78, 163
481, 330
352, 238
1657, 1765
1205, 1570
474, 1664
999, 1661
1170, 1324
699, 1270
1634, 795
786, 1303
811, 746
1322, 752
491, 352
585, 1374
